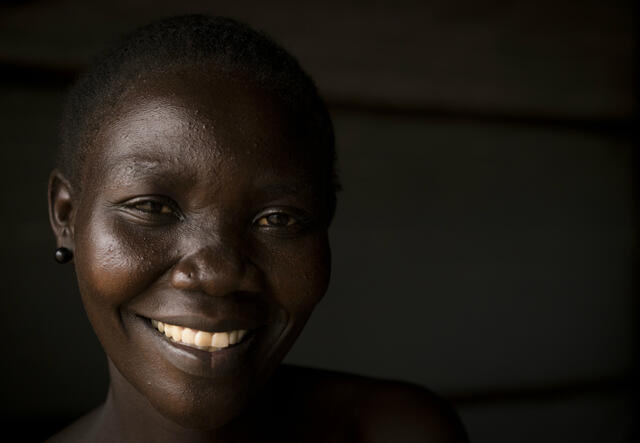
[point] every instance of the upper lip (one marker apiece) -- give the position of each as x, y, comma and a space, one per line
204, 312
208, 324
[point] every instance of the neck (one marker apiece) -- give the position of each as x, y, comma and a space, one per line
127, 416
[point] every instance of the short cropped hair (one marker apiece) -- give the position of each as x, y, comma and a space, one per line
194, 40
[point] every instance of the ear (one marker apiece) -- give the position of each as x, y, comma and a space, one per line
61, 209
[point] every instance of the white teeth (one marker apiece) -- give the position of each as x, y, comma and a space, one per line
208, 341
203, 338
176, 334
220, 340
188, 336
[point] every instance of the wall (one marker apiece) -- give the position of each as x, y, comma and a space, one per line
484, 239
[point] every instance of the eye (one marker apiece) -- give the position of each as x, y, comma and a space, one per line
277, 220
150, 208
153, 207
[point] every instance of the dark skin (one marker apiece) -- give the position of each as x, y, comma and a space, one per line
201, 204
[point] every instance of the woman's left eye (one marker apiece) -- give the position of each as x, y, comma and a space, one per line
277, 220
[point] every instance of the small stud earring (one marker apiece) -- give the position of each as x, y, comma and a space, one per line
63, 255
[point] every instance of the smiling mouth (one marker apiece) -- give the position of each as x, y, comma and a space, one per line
203, 340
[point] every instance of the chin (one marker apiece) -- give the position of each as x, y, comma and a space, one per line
203, 412
189, 402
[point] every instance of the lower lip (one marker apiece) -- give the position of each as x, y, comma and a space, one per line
220, 363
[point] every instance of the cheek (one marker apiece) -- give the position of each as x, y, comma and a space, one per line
114, 261
301, 275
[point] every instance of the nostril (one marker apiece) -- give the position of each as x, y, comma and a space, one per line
183, 276
214, 270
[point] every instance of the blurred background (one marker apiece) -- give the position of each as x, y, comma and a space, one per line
484, 241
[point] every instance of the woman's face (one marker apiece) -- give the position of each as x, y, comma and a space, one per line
200, 209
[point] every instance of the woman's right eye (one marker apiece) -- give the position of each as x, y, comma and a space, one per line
152, 207
147, 208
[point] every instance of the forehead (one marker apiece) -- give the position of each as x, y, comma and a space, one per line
192, 119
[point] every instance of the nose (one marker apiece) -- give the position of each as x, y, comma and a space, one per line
216, 269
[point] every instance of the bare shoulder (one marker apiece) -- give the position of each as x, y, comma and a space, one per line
376, 410
396, 411
78, 431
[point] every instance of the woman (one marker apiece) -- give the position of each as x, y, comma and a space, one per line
194, 191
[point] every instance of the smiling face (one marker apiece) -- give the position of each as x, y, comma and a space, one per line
201, 209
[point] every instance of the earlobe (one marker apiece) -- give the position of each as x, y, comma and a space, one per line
61, 209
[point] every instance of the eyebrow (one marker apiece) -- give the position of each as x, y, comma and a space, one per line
140, 165
131, 166
277, 189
